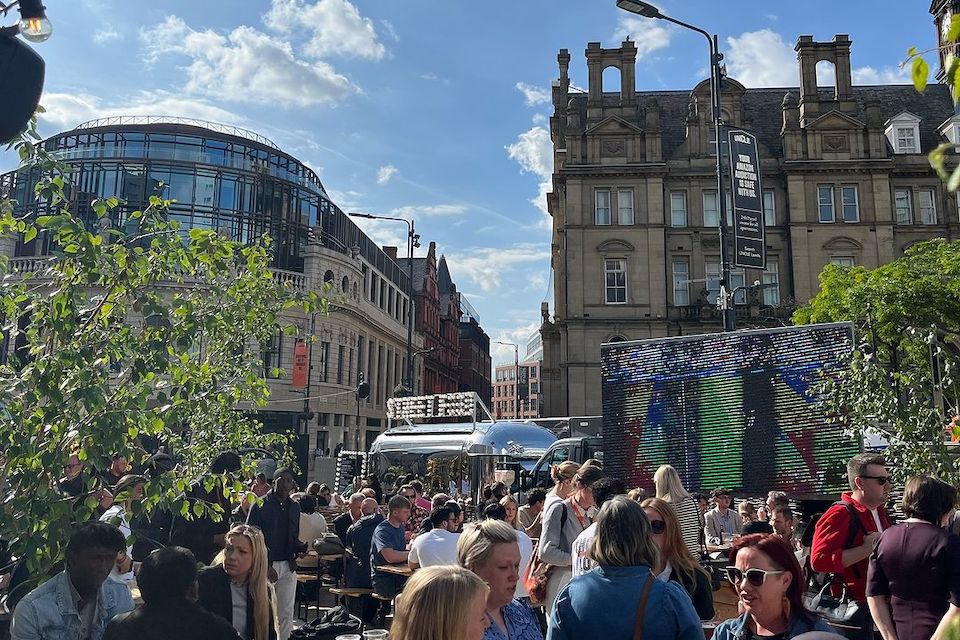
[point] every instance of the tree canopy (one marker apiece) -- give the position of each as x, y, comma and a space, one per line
903, 375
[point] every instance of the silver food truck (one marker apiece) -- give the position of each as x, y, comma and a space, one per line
457, 457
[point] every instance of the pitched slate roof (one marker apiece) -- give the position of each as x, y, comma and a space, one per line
763, 110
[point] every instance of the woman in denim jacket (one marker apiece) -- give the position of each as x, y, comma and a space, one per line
767, 577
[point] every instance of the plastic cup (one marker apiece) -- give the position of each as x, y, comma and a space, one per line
349, 636
375, 634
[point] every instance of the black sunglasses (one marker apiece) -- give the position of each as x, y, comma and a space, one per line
658, 526
881, 480
756, 577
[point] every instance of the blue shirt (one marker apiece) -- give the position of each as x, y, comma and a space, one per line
736, 628
385, 536
49, 612
602, 603
520, 621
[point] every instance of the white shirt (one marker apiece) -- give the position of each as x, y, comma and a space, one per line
580, 551
876, 518
436, 547
526, 552
664, 576
111, 516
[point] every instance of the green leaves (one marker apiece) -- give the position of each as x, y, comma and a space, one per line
901, 310
920, 72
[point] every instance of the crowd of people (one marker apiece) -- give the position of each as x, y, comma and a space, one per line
586, 558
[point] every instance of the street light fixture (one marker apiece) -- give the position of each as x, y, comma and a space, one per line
413, 241
516, 368
647, 10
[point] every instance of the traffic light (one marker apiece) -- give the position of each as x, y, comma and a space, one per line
363, 388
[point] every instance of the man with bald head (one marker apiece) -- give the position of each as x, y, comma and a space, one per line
358, 543
353, 514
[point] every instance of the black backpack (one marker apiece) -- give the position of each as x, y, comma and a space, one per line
815, 580
336, 621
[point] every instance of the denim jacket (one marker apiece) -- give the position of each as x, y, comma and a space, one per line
736, 628
48, 612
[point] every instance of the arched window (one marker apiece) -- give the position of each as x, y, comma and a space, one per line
617, 339
345, 285
328, 277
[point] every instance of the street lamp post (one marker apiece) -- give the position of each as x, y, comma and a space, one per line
413, 241
647, 10
516, 374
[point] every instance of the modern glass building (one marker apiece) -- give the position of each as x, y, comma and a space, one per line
221, 177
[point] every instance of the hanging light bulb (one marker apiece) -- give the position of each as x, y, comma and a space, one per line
35, 29
34, 25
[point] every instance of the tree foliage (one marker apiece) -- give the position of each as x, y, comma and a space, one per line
907, 316
123, 338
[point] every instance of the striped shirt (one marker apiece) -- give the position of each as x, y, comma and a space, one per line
691, 524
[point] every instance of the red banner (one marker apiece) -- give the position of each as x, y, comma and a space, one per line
300, 365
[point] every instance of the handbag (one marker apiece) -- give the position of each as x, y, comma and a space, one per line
335, 622
328, 545
838, 611
535, 580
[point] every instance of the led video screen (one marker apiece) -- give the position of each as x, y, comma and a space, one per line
733, 410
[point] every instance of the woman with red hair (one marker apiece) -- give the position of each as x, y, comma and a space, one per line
767, 577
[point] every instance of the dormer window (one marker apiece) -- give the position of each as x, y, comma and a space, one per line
906, 140
951, 129
903, 133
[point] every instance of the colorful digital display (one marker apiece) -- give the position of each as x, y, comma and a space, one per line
733, 410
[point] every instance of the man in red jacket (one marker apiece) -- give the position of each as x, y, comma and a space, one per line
847, 531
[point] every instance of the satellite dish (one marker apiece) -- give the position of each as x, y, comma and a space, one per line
21, 83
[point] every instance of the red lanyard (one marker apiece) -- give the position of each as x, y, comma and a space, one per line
576, 512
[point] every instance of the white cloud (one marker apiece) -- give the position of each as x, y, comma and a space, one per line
486, 266
886, 75
428, 211
70, 109
385, 233
762, 59
386, 173
104, 36
532, 95
336, 27
537, 281
348, 200
533, 151
391, 30
519, 335
245, 66
647, 35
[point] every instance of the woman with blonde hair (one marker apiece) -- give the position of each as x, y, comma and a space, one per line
236, 586
676, 563
441, 603
621, 599
562, 475
490, 550
670, 489
563, 521
509, 503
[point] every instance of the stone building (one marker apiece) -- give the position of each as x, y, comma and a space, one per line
437, 321
506, 404
635, 247
474, 358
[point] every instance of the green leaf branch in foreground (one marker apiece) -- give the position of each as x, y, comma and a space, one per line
124, 340
906, 315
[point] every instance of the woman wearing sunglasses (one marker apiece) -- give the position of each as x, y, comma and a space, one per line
676, 563
766, 575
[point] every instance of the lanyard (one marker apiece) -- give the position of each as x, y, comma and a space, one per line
576, 512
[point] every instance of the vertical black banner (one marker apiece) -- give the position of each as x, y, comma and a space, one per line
749, 235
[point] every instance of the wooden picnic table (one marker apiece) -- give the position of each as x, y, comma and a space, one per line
401, 569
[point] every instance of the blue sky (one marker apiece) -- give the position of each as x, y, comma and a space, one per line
430, 108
